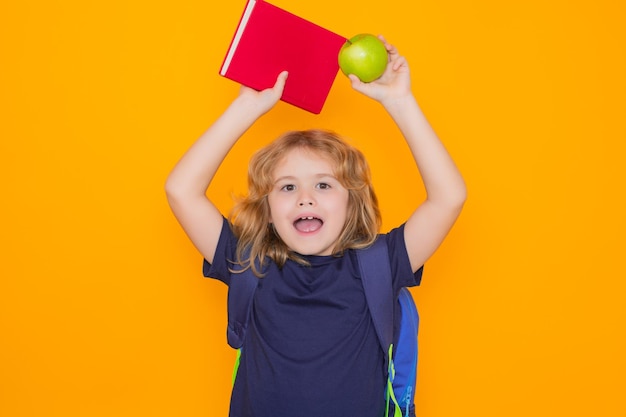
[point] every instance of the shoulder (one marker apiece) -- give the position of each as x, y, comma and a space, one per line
399, 258
225, 252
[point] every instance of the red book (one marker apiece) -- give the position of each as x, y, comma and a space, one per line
269, 40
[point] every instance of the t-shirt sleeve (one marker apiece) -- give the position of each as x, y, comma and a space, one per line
399, 258
225, 251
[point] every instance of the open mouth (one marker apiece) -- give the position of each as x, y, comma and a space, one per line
308, 224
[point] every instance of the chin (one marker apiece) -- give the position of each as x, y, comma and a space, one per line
310, 251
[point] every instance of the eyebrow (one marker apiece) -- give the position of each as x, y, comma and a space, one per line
292, 177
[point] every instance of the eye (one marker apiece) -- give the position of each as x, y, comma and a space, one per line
288, 187
323, 186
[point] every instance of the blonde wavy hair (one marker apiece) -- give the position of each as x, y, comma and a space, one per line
251, 214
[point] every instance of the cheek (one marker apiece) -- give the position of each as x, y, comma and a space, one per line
346, 207
343, 202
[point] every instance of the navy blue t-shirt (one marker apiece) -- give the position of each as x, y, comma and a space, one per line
311, 349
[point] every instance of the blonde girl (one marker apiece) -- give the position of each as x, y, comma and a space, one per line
310, 349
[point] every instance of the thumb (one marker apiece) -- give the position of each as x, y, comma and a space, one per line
357, 84
354, 80
281, 80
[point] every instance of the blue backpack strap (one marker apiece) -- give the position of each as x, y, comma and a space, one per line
406, 348
377, 285
396, 322
240, 294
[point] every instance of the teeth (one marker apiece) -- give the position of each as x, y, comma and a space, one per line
307, 218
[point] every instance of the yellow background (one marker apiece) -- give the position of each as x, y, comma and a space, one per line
103, 310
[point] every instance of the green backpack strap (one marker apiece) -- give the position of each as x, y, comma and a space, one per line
391, 397
236, 367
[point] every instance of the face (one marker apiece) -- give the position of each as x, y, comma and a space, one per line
308, 205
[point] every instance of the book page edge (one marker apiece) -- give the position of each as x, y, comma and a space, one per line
238, 34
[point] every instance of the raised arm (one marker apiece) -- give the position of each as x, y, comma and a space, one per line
429, 224
187, 184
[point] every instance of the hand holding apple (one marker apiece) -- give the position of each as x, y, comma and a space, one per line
395, 82
365, 56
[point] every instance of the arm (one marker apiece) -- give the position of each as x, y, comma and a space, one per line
187, 184
429, 224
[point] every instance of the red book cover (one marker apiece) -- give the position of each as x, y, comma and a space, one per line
269, 40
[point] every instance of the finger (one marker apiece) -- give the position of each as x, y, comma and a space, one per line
354, 80
281, 80
389, 47
399, 63
357, 84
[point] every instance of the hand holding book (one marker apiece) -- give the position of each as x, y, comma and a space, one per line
260, 102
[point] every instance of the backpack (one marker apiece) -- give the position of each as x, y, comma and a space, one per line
396, 323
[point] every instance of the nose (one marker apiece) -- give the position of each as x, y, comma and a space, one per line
305, 200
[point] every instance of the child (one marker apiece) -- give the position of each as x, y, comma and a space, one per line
311, 349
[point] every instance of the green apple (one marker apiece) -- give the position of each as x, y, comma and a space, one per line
363, 55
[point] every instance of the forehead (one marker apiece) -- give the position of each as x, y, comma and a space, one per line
303, 161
